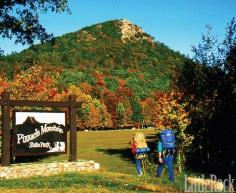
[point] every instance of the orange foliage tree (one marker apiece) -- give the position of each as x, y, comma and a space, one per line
86, 87
32, 84
98, 117
100, 79
92, 114
147, 111
170, 113
3, 84
110, 99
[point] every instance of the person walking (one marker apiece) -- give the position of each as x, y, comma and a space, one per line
166, 148
139, 149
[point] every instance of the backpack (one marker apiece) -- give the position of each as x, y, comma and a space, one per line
168, 139
142, 152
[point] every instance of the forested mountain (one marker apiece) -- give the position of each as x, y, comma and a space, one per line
114, 62
114, 49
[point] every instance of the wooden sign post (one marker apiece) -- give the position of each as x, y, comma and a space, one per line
7, 104
73, 137
6, 138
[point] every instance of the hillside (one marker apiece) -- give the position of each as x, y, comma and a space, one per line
116, 49
115, 62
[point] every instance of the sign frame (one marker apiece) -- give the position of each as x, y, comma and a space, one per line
43, 113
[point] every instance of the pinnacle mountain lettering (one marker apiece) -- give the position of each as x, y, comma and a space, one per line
21, 138
45, 129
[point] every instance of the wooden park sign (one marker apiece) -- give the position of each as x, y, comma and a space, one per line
35, 133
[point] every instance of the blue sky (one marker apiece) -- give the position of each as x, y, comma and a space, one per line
177, 23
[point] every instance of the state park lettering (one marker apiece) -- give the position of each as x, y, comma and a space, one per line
21, 138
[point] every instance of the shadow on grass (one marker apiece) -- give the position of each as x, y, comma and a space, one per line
126, 153
151, 142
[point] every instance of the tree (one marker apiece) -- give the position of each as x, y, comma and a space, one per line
92, 114
147, 111
128, 110
3, 84
112, 83
110, 99
20, 19
208, 83
32, 84
170, 113
120, 109
137, 115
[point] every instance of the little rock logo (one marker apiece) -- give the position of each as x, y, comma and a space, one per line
21, 138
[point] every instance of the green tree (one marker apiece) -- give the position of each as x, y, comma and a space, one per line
209, 86
112, 83
138, 86
20, 19
137, 115
120, 109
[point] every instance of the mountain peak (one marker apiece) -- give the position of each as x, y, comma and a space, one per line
30, 120
131, 31
119, 29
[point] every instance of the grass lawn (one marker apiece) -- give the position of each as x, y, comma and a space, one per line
109, 148
118, 174
103, 182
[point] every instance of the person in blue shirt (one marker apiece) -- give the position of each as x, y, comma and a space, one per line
165, 157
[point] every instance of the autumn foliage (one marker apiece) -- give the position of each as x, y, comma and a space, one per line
101, 107
3, 84
92, 114
32, 84
169, 112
